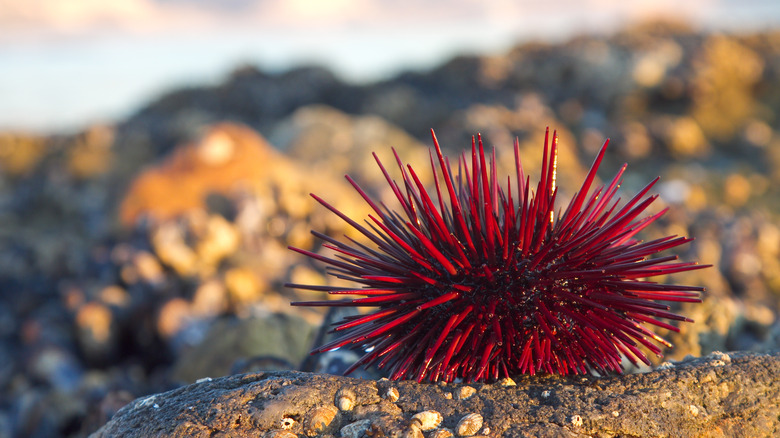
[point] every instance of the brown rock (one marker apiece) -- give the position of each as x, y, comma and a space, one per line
91, 153
334, 143
20, 153
717, 395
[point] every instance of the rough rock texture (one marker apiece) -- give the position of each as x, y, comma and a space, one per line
721, 394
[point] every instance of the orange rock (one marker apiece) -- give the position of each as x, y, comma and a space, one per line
173, 316
95, 318
20, 153
227, 155
243, 286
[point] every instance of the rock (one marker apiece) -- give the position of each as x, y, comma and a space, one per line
97, 332
334, 143
717, 395
20, 153
91, 154
228, 340
226, 155
724, 75
243, 286
685, 138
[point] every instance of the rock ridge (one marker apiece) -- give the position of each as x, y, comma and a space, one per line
722, 394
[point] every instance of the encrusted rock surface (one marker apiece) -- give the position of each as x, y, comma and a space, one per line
733, 394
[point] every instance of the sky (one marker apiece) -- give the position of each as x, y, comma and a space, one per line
65, 64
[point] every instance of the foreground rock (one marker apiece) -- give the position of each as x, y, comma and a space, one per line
718, 395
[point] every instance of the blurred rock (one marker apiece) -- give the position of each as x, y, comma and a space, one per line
96, 332
337, 144
20, 153
223, 158
174, 316
91, 154
210, 299
685, 138
229, 340
725, 74
243, 287
55, 366
219, 240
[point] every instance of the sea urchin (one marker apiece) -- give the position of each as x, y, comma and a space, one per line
488, 281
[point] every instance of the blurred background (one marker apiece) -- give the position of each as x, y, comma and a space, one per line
156, 158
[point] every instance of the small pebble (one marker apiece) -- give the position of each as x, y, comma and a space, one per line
722, 357
507, 381
465, 392
356, 429
391, 394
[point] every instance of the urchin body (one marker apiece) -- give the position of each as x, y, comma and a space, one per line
482, 280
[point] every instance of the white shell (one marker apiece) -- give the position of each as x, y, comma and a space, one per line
356, 429
721, 358
318, 419
464, 392
391, 394
441, 433
469, 425
429, 420
287, 423
576, 420
345, 399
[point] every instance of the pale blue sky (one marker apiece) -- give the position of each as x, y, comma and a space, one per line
68, 63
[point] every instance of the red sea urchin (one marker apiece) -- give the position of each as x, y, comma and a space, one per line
484, 285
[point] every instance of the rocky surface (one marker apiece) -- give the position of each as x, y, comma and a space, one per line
130, 252
718, 395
